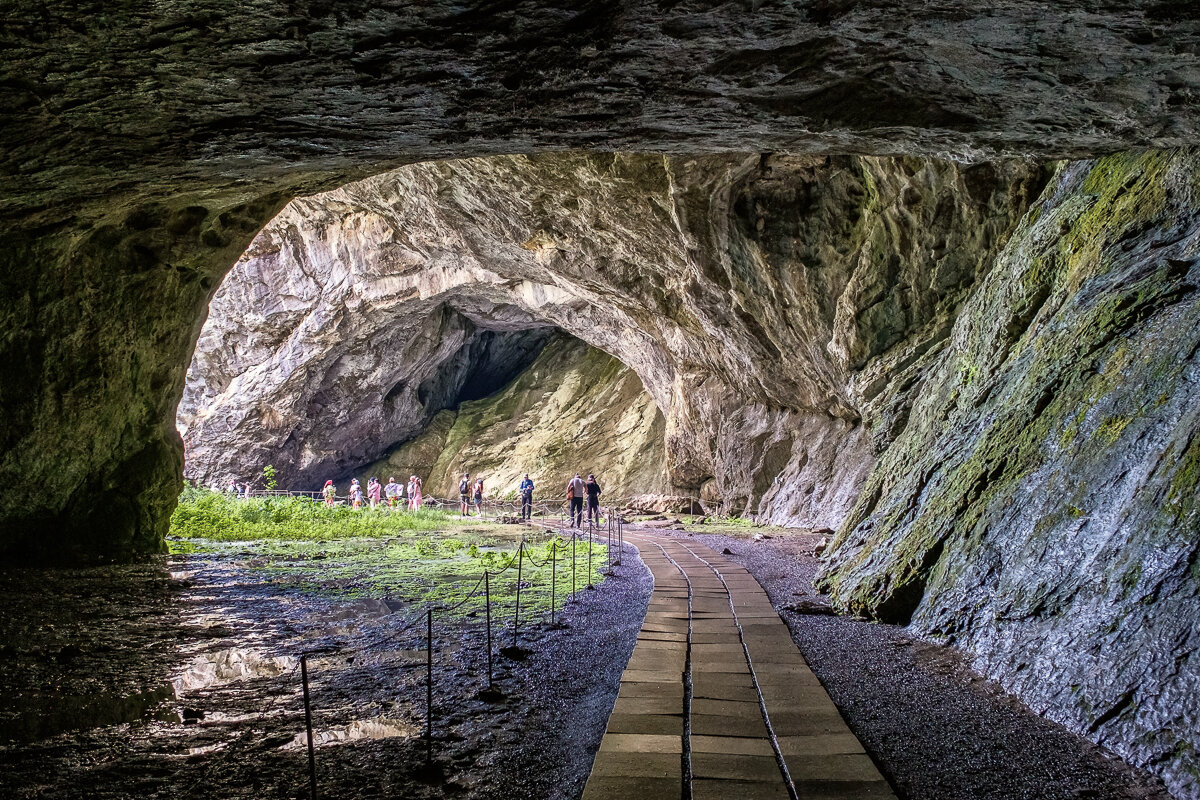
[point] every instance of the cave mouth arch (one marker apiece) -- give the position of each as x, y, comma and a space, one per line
359, 322
744, 291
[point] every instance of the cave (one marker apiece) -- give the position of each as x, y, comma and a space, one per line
920, 278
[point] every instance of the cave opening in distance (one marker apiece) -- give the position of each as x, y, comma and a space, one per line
370, 332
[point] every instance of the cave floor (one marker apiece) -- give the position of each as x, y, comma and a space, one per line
936, 729
87, 658
87, 709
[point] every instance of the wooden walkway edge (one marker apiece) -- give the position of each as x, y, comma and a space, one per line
717, 702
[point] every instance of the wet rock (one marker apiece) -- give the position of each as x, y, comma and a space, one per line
226, 666
814, 608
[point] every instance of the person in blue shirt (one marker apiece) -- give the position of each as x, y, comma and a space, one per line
526, 498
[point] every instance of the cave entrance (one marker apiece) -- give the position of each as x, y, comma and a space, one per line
365, 333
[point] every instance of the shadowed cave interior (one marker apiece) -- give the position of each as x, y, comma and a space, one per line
916, 280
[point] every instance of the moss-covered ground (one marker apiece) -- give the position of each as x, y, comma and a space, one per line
409, 559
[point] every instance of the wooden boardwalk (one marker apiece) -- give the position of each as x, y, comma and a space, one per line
717, 702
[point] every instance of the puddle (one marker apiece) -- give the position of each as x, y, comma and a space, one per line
228, 666
378, 728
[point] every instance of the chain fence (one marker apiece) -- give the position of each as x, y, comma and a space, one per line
560, 552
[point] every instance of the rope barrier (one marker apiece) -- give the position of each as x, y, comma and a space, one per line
556, 545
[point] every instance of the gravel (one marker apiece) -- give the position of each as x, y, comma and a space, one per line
937, 729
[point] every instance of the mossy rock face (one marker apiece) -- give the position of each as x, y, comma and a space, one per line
575, 409
1039, 507
94, 329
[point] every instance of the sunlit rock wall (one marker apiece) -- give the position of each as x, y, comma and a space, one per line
756, 299
1040, 507
575, 409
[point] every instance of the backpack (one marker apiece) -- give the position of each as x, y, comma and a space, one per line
463, 488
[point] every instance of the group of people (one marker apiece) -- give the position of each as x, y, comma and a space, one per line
392, 495
470, 493
579, 490
581, 494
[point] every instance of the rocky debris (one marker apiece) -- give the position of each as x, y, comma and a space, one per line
660, 504
810, 608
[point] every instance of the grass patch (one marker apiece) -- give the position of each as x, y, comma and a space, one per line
417, 558
217, 517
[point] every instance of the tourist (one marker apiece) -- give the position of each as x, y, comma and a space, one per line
526, 490
329, 493
464, 494
593, 500
373, 489
575, 489
233, 487
479, 495
391, 491
356, 495
415, 484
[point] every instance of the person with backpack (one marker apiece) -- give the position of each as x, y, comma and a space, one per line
479, 495
575, 490
526, 490
464, 494
329, 493
593, 499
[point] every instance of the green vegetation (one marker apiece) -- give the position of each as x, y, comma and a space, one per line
218, 517
415, 558
269, 477
444, 571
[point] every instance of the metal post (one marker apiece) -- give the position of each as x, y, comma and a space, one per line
553, 577
312, 756
608, 550
517, 612
574, 538
429, 688
590, 560
487, 601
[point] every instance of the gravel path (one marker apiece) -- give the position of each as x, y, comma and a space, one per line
937, 729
